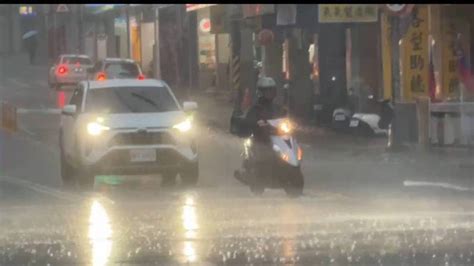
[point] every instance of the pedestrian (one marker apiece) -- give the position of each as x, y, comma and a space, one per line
32, 43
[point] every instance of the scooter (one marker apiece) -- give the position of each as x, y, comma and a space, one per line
373, 124
341, 118
283, 163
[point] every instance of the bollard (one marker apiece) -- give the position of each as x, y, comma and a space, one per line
9, 120
423, 117
440, 129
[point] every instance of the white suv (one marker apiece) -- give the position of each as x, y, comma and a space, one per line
127, 127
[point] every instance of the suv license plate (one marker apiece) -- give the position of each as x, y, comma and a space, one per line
142, 155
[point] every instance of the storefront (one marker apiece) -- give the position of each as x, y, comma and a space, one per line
349, 54
206, 50
213, 45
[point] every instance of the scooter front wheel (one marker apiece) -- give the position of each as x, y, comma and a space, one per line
295, 183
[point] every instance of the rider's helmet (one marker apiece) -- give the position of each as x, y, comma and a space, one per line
263, 84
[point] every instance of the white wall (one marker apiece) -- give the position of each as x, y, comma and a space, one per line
121, 31
148, 39
224, 49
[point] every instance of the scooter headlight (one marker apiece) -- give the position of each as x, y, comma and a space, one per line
285, 127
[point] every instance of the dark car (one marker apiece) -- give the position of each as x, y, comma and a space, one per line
116, 68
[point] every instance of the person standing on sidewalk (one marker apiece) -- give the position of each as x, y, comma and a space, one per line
31, 44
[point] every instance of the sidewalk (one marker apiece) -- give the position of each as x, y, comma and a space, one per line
216, 109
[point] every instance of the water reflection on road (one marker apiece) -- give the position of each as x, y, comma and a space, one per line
191, 227
100, 234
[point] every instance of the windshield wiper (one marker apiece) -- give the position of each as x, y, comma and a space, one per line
145, 99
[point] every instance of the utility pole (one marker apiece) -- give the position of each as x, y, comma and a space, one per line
235, 63
127, 15
157, 44
395, 39
55, 35
81, 28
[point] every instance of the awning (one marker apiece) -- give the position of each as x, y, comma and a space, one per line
101, 8
192, 7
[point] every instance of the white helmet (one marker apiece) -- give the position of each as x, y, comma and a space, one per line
266, 82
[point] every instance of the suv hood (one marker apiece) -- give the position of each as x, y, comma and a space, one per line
138, 120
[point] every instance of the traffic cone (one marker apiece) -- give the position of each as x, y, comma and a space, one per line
247, 100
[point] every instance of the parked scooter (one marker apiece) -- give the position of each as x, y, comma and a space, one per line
284, 161
341, 118
342, 115
373, 124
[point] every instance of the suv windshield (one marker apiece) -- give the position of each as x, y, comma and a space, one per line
121, 70
130, 100
72, 60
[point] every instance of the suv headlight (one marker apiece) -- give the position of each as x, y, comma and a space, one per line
184, 126
95, 129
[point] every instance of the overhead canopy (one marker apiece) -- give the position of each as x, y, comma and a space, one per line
100, 8
192, 7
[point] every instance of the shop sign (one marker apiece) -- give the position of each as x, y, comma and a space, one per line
415, 71
205, 25
452, 29
253, 10
386, 32
347, 13
450, 75
26, 10
192, 7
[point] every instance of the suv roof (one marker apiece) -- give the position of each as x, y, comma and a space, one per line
76, 55
124, 83
111, 59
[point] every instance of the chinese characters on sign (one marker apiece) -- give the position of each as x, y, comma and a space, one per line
340, 13
416, 55
386, 32
450, 76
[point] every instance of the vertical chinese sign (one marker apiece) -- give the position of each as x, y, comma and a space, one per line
450, 75
415, 61
451, 27
386, 56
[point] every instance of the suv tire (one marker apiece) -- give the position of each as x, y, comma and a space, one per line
190, 174
67, 172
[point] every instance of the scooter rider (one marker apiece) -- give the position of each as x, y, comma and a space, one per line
264, 109
255, 121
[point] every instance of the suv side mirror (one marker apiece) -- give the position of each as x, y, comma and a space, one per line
69, 110
190, 106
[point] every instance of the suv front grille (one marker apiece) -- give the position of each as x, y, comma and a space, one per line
141, 138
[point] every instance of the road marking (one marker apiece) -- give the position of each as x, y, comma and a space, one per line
409, 183
27, 131
39, 111
42, 189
